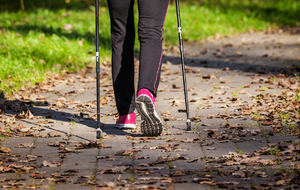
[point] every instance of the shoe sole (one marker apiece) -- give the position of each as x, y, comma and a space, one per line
125, 126
151, 125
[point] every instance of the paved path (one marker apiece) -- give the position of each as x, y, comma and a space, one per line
245, 130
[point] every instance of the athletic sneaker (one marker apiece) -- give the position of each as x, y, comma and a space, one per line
151, 124
126, 121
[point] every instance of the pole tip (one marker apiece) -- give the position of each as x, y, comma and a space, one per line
188, 125
99, 133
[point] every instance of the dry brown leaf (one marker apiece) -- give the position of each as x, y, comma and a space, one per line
189, 140
200, 179
174, 86
220, 92
176, 103
103, 101
280, 182
167, 113
4, 149
54, 134
102, 188
48, 164
129, 152
28, 114
37, 175
116, 170
247, 86
180, 172
243, 92
211, 148
177, 133
91, 144
129, 137
82, 180
212, 134
19, 128
206, 77
25, 145
171, 118
160, 159
179, 180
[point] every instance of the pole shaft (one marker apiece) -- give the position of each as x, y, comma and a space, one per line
182, 58
97, 61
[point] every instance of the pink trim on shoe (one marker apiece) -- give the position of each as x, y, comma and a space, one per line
144, 91
126, 121
161, 54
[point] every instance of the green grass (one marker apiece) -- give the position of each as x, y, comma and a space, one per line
201, 19
35, 41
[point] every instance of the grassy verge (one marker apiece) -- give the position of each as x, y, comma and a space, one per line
39, 40
204, 18
35, 42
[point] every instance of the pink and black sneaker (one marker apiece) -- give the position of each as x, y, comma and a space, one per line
151, 124
126, 121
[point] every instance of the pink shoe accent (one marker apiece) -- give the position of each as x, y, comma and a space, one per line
146, 92
126, 121
161, 54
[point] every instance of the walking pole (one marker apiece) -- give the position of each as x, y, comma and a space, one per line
188, 121
99, 132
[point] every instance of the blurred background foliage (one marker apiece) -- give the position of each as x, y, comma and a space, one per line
38, 36
15, 5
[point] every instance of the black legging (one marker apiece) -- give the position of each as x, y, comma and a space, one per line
152, 15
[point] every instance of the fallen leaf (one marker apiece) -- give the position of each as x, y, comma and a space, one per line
25, 145
107, 184
212, 134
211, 148
206, 77
116, 170
179, 180
37, 175
4, 149
280, 182
174, 86
220, 92
129, 152
160, 159
176, 103
54, 134
102, 188
81, 180
243, 92
48, 164
180, 172
103, 101
28, 114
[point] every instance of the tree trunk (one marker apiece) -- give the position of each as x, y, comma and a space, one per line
22, 5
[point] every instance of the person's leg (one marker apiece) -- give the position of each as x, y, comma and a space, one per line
151, 22
123, 36
152, 16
